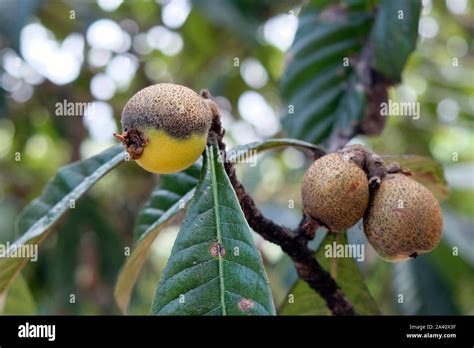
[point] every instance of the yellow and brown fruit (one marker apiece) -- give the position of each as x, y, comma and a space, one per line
403, 220
165, 127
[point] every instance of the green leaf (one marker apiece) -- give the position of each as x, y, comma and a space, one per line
325, 95
170, 189
243, 151
164, 203
349, 279
19, 300
214, 267
331, 85
394, 35
425, 170
36, 220
168, 199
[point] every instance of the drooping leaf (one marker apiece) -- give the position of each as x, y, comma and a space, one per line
35, 221
214, 267
243, 151
19, 300
425, 170
331, 86
172, 193
305, 301
394, 35
169, 198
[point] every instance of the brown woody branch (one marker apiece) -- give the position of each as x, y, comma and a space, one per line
293, 242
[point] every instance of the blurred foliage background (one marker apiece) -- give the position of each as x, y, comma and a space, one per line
54, 51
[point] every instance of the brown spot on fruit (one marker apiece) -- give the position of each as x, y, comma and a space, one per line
335, 191
401, 233
352, 189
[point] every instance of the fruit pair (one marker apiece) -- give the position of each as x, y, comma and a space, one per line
401, 217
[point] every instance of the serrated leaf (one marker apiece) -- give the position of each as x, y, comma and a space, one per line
18, 299
325, 95
425, 170
394, 35
349, 278
35, 221
214, 267
167, 200
330, 84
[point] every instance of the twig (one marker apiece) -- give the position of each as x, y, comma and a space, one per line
293, 242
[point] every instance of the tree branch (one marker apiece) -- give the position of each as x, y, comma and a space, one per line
293, 242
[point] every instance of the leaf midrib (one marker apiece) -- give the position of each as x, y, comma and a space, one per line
218, 230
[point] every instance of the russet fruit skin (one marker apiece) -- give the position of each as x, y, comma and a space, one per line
335, 192
403, 220
172, 122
